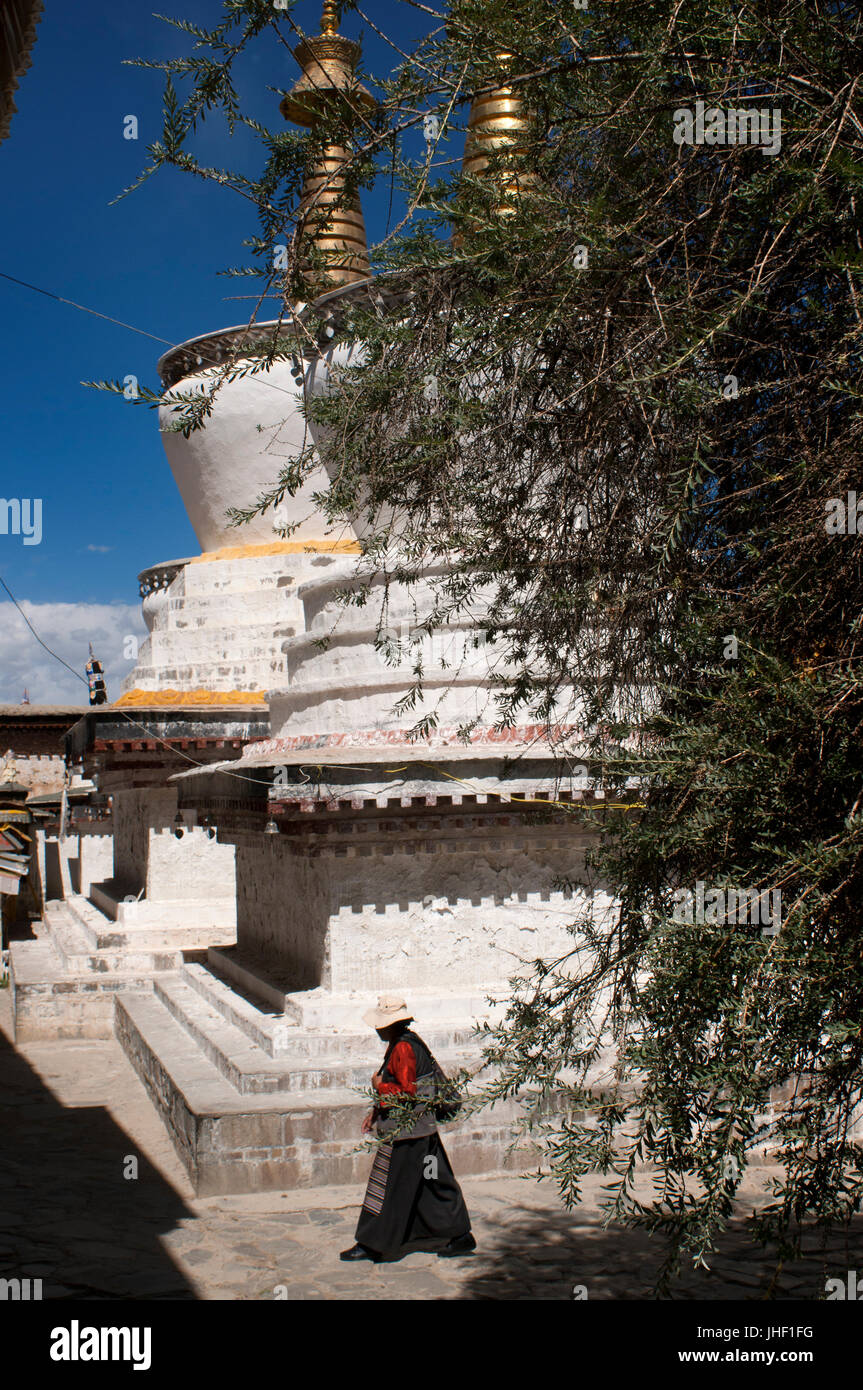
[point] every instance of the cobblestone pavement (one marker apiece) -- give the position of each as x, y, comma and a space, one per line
75, 1114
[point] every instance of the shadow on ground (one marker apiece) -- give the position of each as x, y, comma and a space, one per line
68, 1216
533, 1254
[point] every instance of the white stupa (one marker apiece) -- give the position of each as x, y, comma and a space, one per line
217, 621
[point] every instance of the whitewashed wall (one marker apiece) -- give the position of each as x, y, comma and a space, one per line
456, 918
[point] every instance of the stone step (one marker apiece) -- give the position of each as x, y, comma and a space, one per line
173, 654
320, 1009
231, 1142
220, 643
103, 933
252, 616
98, 930
252, 673
238, 606
190, 925
254, 1071
242, 1062
35, 963
254, 977
75, 947
280, 1035
49, 1001
100, 927
264, 1027
215, 580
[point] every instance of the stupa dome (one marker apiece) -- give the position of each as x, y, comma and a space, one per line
255, 426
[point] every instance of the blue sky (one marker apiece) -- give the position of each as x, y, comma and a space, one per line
110, 507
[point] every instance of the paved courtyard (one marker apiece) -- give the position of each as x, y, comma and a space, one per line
76, 1117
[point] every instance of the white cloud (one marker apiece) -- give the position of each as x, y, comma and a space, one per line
66, 628
100, 549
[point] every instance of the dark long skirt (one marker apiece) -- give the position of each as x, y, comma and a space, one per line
411, 1202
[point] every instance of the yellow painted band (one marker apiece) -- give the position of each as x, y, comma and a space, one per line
193, 697
248, 552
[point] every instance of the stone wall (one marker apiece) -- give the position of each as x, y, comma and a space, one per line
95, 858
133, 814
454, 918
455, 915
285, 904
148, 855
41, 773
193, 867
36, 730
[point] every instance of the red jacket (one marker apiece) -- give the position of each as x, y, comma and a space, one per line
402, 1063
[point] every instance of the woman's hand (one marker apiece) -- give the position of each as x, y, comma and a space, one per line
368, 1121
376, 1080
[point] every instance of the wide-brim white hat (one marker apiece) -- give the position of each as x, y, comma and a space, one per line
391, 1009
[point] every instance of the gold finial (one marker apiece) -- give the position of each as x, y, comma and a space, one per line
330, 213
328, 78
499, 125
330, 18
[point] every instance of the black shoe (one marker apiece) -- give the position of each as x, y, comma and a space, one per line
461, 1245
357, 1252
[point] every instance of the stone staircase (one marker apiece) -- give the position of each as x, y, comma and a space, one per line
64, 982
255, 1099
260, 1087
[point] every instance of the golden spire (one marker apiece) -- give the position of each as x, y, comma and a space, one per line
330, 214
329, 18
499, 125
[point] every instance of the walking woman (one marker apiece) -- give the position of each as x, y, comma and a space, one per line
412, 1200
